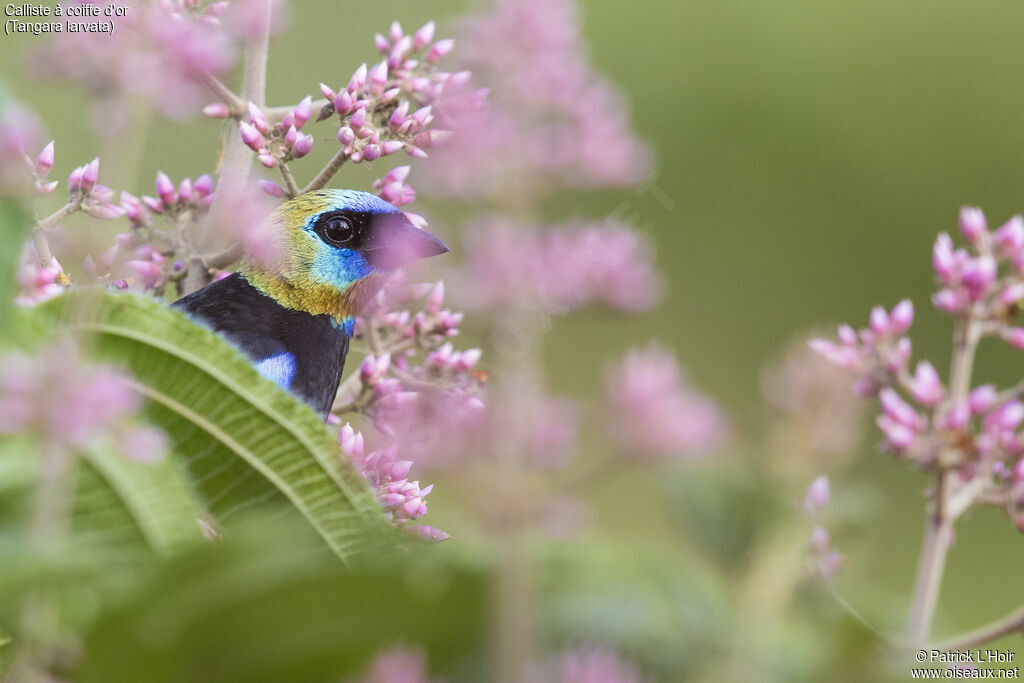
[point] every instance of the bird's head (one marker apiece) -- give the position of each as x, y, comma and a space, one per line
334, 246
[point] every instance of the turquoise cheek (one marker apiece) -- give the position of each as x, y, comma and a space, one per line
338, 268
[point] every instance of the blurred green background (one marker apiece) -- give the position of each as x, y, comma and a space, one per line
808, 153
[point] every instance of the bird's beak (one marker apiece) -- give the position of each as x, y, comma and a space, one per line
394, 241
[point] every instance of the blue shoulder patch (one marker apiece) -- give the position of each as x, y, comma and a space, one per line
348, 324
279, 369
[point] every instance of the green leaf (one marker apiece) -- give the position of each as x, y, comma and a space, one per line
119, 499
269, 607
246, 444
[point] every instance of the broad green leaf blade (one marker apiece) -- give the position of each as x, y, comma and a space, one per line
151, 500
246, 443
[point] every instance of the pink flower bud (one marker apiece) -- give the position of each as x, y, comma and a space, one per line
371, 152
898, 409
358, 119
44, 189
164, 189
217, 110
203, 185
982, 398
950, 301
303, 111
291, 136
439, 50
149, 271
926, 385
399, 116
399, 51
75, 179
943, 260
957, 417
879, 321
902, 317
1007, 417
267, 160
250, 136
257, 119
817, 497
271, 188
185, 191
1014, 336
427, 533
390, 147
978, 274
153, 204
1012, 294
415, 152
343, 103
1010, 237
381, 43
358, 79
346, 136
90, 174
44, 162
819, 540
327, 92
302, 146
972, 223
395, 32
423, 36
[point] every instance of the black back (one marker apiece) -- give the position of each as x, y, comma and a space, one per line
260, 327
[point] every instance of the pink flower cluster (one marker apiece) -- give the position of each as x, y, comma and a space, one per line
388, 107
20, 129
159, 51
273, 144
974, 430
402, 499
827, 562
554, 121
40, 169
92, 198
38, 284
72, 404
419, 391
398, 665
653, 413
169, 201
558, 268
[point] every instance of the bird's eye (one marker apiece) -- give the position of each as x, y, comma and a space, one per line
337, 231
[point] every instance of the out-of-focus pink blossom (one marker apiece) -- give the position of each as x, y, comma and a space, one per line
399, 665
817, 497
590, 665
245, 217
558, 268
36, 284
159, 51
401, 498
20, 131
70, 403
552, 120
653, 412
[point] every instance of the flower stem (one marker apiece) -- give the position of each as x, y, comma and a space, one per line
289, 181
939, 529
1008, 625
327, 172
39, 239
237, 156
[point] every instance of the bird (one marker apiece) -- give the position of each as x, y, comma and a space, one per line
293, 315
